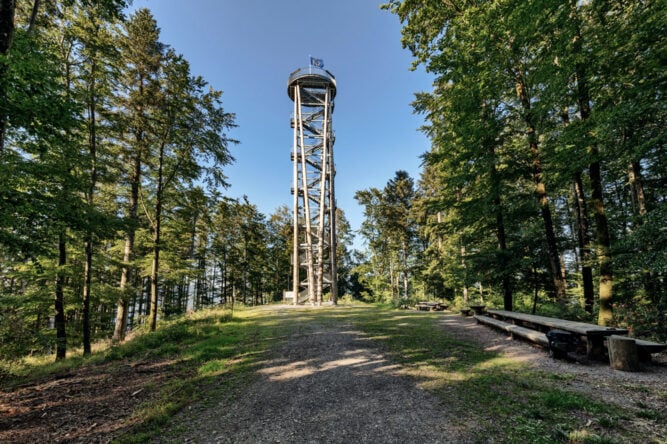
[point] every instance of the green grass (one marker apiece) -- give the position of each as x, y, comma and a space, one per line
207, 347
215, 356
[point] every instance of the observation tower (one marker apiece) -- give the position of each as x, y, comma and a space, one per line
314, 269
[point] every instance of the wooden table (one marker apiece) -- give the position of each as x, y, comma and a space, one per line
592, 334
478, 309
430, 306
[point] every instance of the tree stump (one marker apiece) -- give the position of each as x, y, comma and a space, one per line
623, 353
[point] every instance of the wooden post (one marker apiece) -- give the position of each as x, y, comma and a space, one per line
623, 353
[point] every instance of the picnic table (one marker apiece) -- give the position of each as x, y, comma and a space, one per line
478, 309
593, 335
430, 306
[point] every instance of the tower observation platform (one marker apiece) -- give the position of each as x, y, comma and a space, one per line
314, 268
315, 80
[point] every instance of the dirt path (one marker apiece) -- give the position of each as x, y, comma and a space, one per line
326, 383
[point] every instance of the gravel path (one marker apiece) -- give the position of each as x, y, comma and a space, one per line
325, 383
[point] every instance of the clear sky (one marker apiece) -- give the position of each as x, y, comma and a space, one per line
248, 48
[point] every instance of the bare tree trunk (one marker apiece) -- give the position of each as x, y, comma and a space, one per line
61, 333
88, 267
584, 241
155, 263
500, 230
502, 247
7, 10
637, 188
406, 277
536, 290
603, 246
392, 279
126, 273
602, 238
156, 243
33, 15
465, 277
541, 192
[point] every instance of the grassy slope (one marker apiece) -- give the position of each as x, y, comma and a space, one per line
495, 398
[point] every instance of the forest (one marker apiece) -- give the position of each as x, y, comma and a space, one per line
112, 155
544, 188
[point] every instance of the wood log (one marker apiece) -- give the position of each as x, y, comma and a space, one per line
623, 353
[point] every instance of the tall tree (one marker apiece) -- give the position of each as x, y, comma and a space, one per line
96, 61
191, 144
390, 231
396, 212
142, 54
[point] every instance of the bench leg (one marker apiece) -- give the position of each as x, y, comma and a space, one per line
643, 355
595, 348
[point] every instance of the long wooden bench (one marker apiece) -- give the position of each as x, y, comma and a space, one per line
515, 330
593, 335
533, 328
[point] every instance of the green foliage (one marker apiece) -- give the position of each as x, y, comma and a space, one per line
528, 96
390, 230
643, 319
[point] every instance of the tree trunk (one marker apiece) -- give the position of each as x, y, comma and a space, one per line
156, 243
88, 267
152, 314
500, 229
87, 270
536, 290
33, 15
637, 188
602, 238
7, 10
502, 248
126, 273
465, 277
406, 277
623, 353
61, 333
541, 193
584, 241
603, 247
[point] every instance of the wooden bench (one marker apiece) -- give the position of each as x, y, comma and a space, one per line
515, 330
466, 311
649, 346
646, 348
592, 335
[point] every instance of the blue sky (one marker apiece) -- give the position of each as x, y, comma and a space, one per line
248, 48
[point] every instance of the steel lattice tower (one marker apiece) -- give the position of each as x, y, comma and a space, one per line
314, 270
